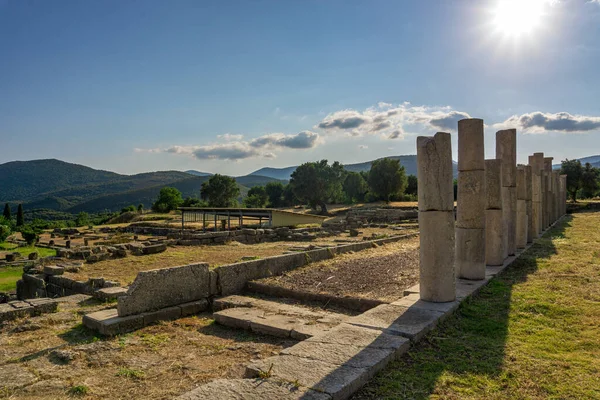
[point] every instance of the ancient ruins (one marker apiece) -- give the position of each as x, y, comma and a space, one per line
501, 209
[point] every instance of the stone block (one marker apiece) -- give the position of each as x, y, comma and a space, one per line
154, 248
493, 184
373, 358
350, 335
470, 253
435, 172
164, 314
340, 382
193, 307
252, 389
274, 325
521, 224
161, 288
53, 270
110, 293
494, 237
470, 144
108, 323
470, 210
436, 255
409, 322
509, 210
414, 301
506, 150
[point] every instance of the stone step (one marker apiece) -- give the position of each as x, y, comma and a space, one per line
274, 318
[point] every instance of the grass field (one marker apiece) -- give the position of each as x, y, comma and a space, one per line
9, 277
25, 251
532, 333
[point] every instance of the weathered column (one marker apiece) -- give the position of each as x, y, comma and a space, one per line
548, 196
436, 218
506, 150
521, 241
529, 202
537, 169
535, 195
556, 198
470, 211
494, 223
563, 195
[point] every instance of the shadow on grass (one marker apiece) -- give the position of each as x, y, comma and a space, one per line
472, 341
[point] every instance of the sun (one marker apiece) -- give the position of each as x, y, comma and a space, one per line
518, 17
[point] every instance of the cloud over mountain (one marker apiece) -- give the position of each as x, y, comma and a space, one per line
540, 122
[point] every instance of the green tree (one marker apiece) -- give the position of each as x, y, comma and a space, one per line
20, 216
412, 185
275, 193
257, 197
130, 208
30, 233
289, 198
317, 183
169, 199
5, 228
7, 213
355, 187
220, 191
82, 219
140, 208
574, 172
193, 202
589, 181
387, 178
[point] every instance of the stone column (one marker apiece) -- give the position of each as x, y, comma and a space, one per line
470, 211
557, 213
529, 202
563, 195
506, 150
538, 169
521, 241
436, 218
535, 195
494, 223
548, 196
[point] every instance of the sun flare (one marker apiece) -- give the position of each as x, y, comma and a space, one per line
518, 17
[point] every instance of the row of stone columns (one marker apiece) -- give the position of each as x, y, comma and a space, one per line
500, 206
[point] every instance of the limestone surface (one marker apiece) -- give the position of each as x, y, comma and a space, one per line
494, 237
436, 255
471, 200
506, 150
493, 184
470, 253
470, 145
161, 288
434, 172
252, 389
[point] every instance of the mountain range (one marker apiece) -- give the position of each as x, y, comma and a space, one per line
593, 160
70, 188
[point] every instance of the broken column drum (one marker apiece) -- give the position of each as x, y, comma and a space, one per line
521, 241
494, 222
436, 218
506, 150
470, 215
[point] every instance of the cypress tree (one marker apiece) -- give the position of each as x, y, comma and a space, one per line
7, 211
20, 216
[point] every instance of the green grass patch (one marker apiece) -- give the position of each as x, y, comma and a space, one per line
9, 277
79, 390
129, 373
531, 333
25, 251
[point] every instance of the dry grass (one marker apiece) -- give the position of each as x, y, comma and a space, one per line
156, 362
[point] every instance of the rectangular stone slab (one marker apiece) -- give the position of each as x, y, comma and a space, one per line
351, 335
161, 288
252, 389
409, 322
340, 382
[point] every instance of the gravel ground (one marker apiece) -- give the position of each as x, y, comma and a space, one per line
380, 273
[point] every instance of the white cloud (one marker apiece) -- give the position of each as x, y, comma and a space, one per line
363, 147
230, 137
540, 122
389, 120
235, 150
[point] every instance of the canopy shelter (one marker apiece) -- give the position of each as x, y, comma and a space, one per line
228, 218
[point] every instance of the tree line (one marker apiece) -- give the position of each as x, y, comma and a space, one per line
583, 181
313, 183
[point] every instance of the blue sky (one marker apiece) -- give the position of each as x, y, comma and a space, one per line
134, 86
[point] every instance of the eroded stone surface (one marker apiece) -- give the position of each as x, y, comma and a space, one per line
252, 389
337, 381
161, 288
